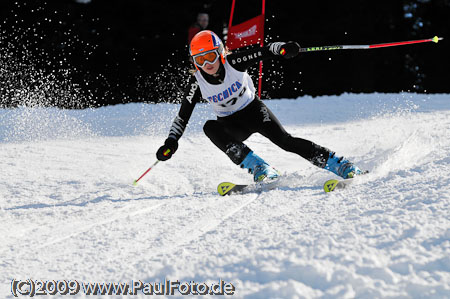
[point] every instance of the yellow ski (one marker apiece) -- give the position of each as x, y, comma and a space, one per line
330, 185
226, 188
334, 184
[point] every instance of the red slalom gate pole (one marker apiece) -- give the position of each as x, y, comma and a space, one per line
154, 164
374, 46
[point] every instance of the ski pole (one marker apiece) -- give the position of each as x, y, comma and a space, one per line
364, 47
154, 164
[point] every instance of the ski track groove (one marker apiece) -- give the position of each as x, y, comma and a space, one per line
89, 227
86, 228
205, 230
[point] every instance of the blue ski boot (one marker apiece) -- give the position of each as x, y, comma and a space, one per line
259, 168
342, 167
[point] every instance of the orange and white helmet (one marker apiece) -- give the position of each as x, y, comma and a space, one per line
206, 47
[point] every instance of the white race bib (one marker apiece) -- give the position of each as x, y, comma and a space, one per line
234, 94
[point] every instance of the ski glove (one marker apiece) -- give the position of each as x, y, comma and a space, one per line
170, 144
287, 50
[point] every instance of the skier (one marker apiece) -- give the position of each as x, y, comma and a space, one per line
222, 79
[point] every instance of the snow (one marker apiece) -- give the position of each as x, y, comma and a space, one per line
69, 210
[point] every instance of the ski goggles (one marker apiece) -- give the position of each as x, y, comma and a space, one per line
208, 57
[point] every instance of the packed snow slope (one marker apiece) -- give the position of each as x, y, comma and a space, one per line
68, 208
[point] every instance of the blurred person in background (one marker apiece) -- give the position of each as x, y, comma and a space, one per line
201, 24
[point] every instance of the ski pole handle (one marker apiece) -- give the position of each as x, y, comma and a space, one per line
365, 47
154, 164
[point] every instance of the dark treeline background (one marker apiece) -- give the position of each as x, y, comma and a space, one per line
117, 51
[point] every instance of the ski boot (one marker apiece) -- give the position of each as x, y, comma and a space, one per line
342, 167
259, 168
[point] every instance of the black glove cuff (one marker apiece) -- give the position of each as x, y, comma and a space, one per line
172, 144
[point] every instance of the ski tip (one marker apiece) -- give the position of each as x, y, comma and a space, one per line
330, 185
134, 183
437, 39
224, 188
